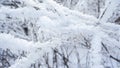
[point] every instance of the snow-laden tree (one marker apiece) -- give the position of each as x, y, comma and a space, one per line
108, 9
12, 3
111, 12
92, 7
60, 37
68, 3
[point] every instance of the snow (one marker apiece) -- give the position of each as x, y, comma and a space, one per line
111, 6
8, 41
72, 33
96, 56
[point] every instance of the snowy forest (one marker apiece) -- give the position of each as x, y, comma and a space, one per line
59, 33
